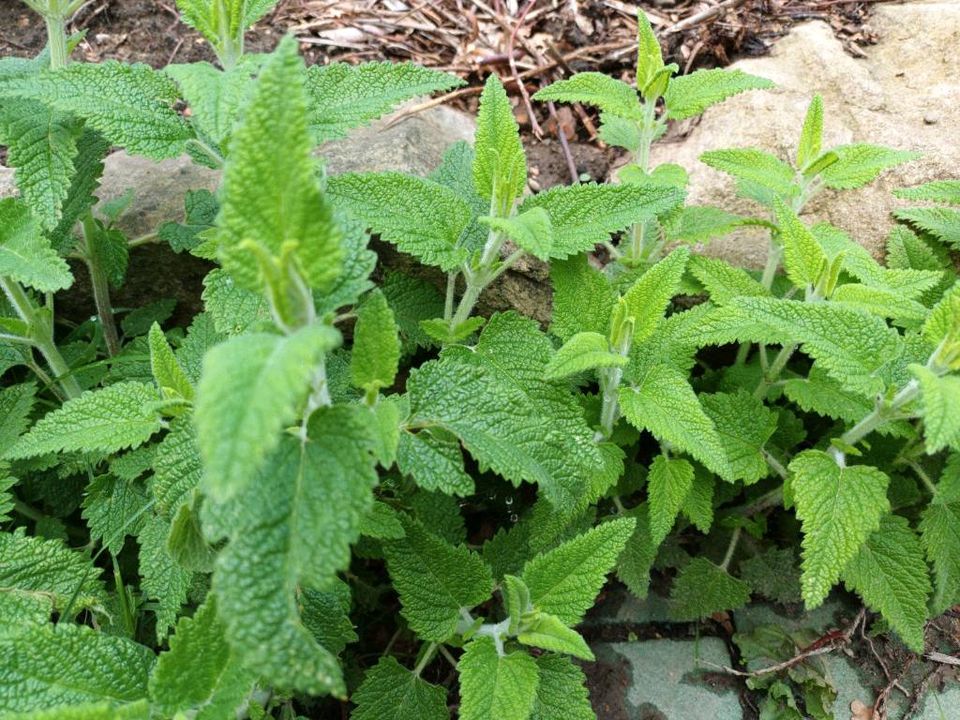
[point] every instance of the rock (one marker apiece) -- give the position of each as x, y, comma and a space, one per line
7, 187
904, 93
663, 680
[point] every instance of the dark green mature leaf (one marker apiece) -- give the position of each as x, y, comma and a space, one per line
434, 460
199, 674
940, 534
55, 666
585, 215
346, 96
744, 425
419, 216
164, 580
495, 686
391, 692
565, 581
668, 485
25, 255
582, 298
435, 580
561, 694
839, 508
703, 588
376, 347
131, 105
291, 527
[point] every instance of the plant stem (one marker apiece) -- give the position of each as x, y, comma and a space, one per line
451, 290
647, 128
42, 337
734, 539
922, 474
57, 40
773, 373
425, 660
100, 284
881, 414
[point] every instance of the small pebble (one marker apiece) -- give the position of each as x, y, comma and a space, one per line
931, 118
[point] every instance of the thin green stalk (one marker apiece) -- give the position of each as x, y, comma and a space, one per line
425, 660
773, 373
451, 291
42, 337
922, 474
731, 548
100, 284
881, 414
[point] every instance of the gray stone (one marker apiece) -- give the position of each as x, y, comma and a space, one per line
940, 706
673, 680
7, 186
889, 98
819, 620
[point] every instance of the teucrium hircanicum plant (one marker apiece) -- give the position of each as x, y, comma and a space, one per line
220, 521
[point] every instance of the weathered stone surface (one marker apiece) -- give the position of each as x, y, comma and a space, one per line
666, 680
905, 94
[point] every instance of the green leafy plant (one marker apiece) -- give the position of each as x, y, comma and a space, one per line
218, 521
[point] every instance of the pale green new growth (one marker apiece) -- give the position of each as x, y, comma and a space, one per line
500, 165
690, 95
435, 580
839, 508
648, 298
531, 231
496, 686
170, 377
811, 136
803, 258
584, 351
565, 581
252, 387
593, 88
376, 347
115, 418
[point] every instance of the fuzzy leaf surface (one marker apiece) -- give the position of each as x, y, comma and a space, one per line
668, 485
25, 255
494, 687
703, 588
391, 692
648, 298
435, 580
565, 581
376, 347
941, 409
860, 164
596, 89
759, 175
839, 508
940, 534
744, 425
434, 460
690, 95
499, 165
584, 351
561, 694
582, 298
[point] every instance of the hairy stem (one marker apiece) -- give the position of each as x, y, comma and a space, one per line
448, 301
100, 284
773, 372
42, 337
731, 548
57, 40
881, 414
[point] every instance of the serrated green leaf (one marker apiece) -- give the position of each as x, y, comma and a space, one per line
434, 460
131, 105
291, 527
851, 346
16, 404
499, 165
216, 97
703, 588
113, 509
232, 308
376, 347
530, 230
774, 573
41, 144
199, 673
114, 418
940, 400
200, 210
548, 632
586, 215
584, 351
48, 572
723, 281
561, 692
839, 508
412, 300
702, 223
860, 164
358, 263
166, 370
943, 191
943, 322
649, 54
419, 216
690, 95
163, 579
803, 258
891, 576
582, 298
435, 580
822, 394
25, 255
445, 332
56, 666
662, 401
326, 615
811, 136
92, 148
391, 692
382, 522
668, 485
176, 467
594, 88
759, 175
698, 505
619, 132
942, 223
940, 534
495, 686
346, 96
565, 581
289, 214
251, 387
648, 298
744, 425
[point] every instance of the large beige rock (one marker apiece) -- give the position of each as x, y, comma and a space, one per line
905, 94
